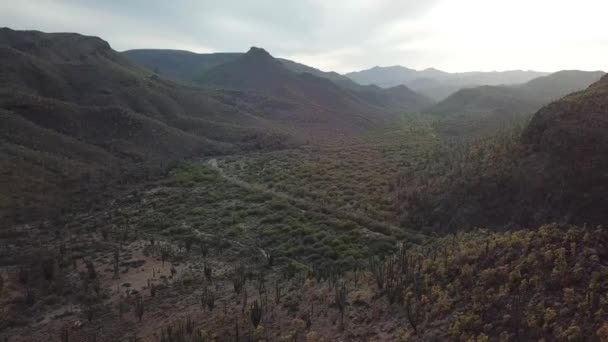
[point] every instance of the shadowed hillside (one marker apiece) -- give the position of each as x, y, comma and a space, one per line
553, 171
525, 98
188, 66
482, 110
92, 118
310, 100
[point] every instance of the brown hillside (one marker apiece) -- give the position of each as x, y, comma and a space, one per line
73, 109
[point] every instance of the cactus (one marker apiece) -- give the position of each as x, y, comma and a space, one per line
90, 312
236, 331
208, 299
152, 290
256, 314
376, 267
116, 263
91, 269
65, 334
340, 301
238, 279
277, 291
244, 300
139, 307
208, 271
261, 284
204, 248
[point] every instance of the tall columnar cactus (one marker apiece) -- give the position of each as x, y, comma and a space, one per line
208, 299
376, 267
340, 300
139, 307
256, 314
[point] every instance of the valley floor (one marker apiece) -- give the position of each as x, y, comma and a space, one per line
294, 245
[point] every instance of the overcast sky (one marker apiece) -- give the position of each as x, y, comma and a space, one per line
345, 35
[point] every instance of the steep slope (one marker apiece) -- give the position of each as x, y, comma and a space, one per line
77, 116
555, 170
188, 66
309, 100
569, 139
561, 83
528, 97
300, 68
486, 100
484, 109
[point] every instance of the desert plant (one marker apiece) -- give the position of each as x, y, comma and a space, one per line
204, 248
64, 335
48, 268
90, 312
277, 291
376, 267
91, 272
139, 307
208, 299
245, 297
208, 271
30, 296
340, 300
23, 275
256, 314
116, 262
238, 279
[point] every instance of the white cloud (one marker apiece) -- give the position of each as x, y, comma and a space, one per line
344, 35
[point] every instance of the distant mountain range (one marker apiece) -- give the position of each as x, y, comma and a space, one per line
473, 112
438, 84
516, 99
77, 116
266, 74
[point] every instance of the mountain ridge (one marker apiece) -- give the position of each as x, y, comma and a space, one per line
122, 121
438, 84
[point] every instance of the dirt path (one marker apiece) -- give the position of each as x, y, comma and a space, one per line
213, 163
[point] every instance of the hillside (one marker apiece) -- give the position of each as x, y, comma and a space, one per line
482, 110
552, 171
524, 98
437, 84
556, 85
188, 66
93, 118
486, 100
177, 64
310, 100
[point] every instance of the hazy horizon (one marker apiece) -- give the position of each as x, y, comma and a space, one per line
345, 36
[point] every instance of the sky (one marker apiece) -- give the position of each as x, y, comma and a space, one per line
345, 35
